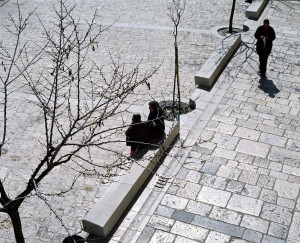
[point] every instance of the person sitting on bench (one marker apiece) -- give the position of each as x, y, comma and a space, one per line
138, 134
156, 120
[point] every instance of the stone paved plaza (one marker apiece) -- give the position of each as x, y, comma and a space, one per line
236, 178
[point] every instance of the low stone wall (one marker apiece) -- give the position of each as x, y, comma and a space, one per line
255, 9
104, 215
215, 64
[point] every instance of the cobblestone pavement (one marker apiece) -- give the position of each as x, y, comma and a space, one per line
240, 179
141, 30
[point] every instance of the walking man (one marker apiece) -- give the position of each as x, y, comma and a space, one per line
265, 35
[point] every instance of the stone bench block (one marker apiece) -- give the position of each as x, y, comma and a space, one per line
216, 62
255, 9
104, 215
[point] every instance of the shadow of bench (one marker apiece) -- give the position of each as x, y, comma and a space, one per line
105, 214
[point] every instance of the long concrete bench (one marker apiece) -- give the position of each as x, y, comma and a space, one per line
255, 9
104, 215
216, 62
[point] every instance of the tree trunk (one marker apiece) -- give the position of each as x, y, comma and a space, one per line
177, 77
17, 225
231, 16
174, 86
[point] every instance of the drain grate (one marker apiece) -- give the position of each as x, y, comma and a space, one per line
162, 182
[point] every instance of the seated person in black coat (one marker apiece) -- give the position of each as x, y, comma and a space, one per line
156, 120
138, 134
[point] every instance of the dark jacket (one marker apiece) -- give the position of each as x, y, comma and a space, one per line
260, 43
157, 122
137, 134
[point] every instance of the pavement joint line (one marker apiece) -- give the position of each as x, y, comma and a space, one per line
152, 27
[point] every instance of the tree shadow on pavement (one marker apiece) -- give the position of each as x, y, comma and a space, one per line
268, 86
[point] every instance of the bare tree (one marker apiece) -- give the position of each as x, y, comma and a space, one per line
176, 9
74, 95
231, 16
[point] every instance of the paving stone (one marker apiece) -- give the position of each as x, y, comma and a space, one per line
164, 211
219, 160
245, 158
276, 213
249, 177
252, 236
289, 157
161, 236
173, 189
284, 202
235, 186
215, 225
246, 133
220, 183
210, 168
238, 241
275, 166
224, 153
245, 204
232, 163
217, 237
193, 164
261, 162
228, 172
289, 240
200, 208
255, 223
268, 195
183, 216
251, 191
271, 239
207, 180
248, 167
279, 175
213, 196
174, 201
180, 239
225, 215
160, 222
226, 128
270, 129
266, 181
253, 148
189, 231
225, 141
263, 171
246, 123
272, 139
286, 189
206, 135
146, 235
294, 232
206, 147
193, 176
182, 173
179, 182
278, 230
291, 170
190, 191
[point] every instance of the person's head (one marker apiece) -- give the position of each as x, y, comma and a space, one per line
266, 23
136, 118
153, 106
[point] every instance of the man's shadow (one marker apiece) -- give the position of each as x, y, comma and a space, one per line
268, 86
